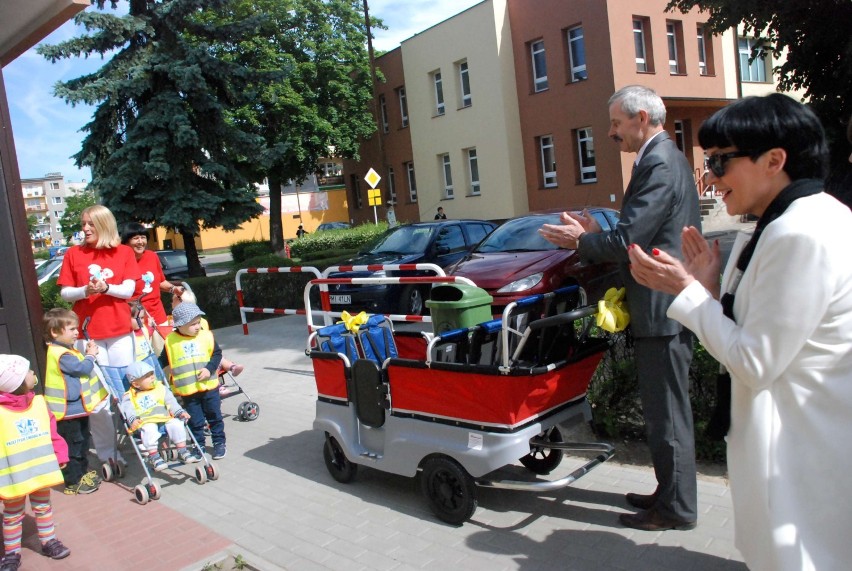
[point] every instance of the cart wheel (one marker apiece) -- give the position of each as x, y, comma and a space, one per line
141, 493
154, 490
212, 471
340, 468
201, 474
251, 411
449, 489
543, 460
106, 472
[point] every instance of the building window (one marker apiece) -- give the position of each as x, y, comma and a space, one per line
57, 214
464, 84
680, 135
439, 93
586, 148
412, 182
54, 186
548, 161
391, 185
539, 66
383, 108
473, 171
704, 41
674, 41
577, 54
644, 57
403, 106
447, 172
356, 190
57, 200
754, 70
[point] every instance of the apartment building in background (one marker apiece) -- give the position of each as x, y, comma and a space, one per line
45, 199
502, 109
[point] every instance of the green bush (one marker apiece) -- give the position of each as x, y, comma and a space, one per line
614, 396
245, 249
50, 296
344, 239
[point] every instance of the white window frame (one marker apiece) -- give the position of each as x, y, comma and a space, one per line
446, 175
412, 181
577, 54
586, 152
56, 200
403, 106
757, 66
464, 84
392, 184
702, 50
671, 42
680, 134
438, 85
383, 108
639, 44
54, 186
547, 153
539, 75
473, 172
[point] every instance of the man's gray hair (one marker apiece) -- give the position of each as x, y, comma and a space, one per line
635, 98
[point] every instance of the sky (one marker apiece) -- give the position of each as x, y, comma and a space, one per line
47, 131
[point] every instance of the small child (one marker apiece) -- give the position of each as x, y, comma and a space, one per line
147, 406
27, 432
72, 392
185, 294
194, 356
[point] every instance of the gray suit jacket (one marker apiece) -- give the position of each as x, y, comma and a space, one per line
660, 200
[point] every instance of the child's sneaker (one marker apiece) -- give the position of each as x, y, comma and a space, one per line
81, 487
187, 457
219, 451
236, 369
157, 462
91, 477
55, 550
10, 562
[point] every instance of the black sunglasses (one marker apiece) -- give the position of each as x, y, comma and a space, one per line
716, 163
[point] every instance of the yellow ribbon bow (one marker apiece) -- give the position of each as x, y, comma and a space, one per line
612, 315
353, 322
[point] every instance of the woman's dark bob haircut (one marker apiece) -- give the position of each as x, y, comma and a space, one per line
132, 229
757, 124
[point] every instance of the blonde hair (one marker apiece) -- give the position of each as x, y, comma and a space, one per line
105, 225
55, 320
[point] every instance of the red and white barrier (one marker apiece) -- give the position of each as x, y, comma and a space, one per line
269, 310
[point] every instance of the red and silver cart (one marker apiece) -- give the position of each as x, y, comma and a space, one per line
459, 405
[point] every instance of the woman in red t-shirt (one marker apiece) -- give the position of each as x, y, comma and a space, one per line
151, 281
98, 277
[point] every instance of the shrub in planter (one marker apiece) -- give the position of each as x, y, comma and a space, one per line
351, 239
245, 249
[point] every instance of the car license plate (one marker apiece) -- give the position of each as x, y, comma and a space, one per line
340, 299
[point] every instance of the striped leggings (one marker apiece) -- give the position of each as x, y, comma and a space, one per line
13, 519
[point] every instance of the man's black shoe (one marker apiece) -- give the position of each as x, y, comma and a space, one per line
653, 520
641, 501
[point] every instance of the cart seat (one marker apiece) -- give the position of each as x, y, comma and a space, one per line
376, 339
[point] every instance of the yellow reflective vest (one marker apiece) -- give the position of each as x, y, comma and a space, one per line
92, 391
187, 356
27, 460
150, 406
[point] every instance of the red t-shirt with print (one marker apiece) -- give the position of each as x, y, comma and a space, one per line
149, 262
110, 315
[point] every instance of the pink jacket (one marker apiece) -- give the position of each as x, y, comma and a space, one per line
22, 402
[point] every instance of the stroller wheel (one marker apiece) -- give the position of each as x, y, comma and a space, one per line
154, 490
106, 472
201, 474
248, 411
212, 471
118, 469
141, 493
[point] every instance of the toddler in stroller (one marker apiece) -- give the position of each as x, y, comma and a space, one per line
147, 406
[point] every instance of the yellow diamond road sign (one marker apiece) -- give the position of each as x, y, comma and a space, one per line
372, 178
374, 197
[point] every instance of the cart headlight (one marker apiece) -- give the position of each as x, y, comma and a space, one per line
522, 284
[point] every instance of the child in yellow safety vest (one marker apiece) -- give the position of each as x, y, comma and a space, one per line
147, 406
193, 357
31, 453
72, 391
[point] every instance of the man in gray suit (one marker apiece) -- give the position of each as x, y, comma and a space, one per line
659, 202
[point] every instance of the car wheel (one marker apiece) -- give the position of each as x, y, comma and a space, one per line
411, 301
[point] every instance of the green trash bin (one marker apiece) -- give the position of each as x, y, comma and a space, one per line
458, 306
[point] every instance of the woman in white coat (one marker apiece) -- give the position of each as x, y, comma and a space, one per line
782, 329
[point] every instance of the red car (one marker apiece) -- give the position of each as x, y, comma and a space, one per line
514, 261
